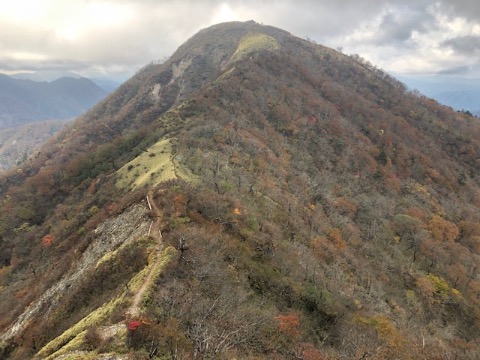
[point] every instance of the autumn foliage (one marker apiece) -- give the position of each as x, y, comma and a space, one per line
321, 211
47, 240
289, 324
133, 325
443, 230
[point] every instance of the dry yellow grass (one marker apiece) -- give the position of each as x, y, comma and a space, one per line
99, 316
72, 339
254, 42
149, 168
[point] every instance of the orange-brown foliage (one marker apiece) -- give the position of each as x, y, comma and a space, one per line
289, 324
47, 240
335, 236
417, 213
442, 230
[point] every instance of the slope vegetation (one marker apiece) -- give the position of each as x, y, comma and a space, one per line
328, 213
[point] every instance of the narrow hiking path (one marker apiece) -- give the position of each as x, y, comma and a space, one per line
156, 228
156, 232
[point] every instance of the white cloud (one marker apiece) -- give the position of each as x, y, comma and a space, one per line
122, 35
412, 40
223, 14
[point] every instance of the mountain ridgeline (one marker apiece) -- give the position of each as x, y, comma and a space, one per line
26, 101
255, 196
20, 142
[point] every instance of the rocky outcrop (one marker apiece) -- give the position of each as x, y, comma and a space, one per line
111, 234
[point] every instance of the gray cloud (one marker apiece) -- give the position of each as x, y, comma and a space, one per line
459, 70
469, 9
468, 45
120, 36
399, 25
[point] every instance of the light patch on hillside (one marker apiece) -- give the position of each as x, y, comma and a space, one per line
96, 317
149, 168
71, 340
179, 69
226, 74
254, 42
156, 91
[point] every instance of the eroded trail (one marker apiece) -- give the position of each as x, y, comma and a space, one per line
156, 228
156, 232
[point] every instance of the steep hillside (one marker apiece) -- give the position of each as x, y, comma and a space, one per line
255, 196
26, 101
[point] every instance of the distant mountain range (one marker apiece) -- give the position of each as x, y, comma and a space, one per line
46, 75
461, 99
108, 84
458, 93
26, 101
18, 143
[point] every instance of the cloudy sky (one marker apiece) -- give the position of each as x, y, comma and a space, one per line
116, 37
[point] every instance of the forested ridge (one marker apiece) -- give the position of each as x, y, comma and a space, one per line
312, 208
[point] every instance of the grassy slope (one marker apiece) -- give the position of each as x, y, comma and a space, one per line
72, 338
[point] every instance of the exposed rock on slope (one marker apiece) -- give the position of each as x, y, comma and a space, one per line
311, 208
129, 226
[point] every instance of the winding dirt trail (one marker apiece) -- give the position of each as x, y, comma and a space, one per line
156, 232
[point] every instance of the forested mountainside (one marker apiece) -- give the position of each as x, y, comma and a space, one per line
255, 196
19, 143
26, 101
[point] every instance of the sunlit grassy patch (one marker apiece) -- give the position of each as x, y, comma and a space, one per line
96, 317
149, 168
72, 338
73, 345
254, 42
153, 166
84, 355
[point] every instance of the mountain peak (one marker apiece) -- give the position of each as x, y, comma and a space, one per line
225, 38
26, 101
45, 75
255, 196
